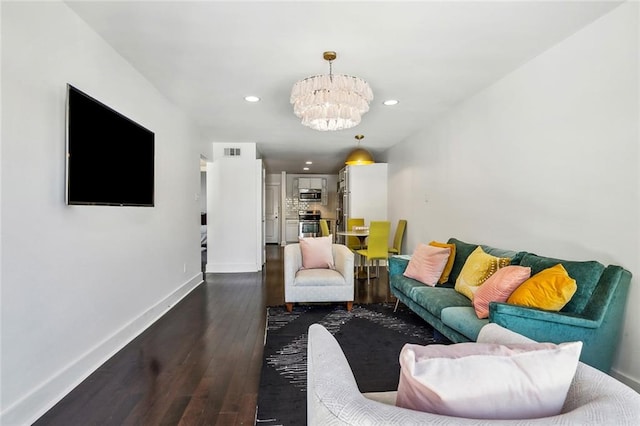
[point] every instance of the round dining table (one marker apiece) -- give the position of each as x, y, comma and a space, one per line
361, 234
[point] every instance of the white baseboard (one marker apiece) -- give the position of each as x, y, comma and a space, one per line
631, 382
30, 408
213, 268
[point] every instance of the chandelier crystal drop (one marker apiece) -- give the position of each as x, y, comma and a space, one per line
331, 102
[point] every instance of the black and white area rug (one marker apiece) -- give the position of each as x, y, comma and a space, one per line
371, 337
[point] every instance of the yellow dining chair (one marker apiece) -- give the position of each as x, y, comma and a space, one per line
354, 242
324, 228
397, 239
377, 245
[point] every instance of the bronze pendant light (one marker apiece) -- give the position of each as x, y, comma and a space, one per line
359, 156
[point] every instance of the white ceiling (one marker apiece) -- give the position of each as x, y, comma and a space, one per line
206, 56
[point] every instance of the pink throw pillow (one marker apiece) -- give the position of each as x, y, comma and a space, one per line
487, 380
427, 263
498, 287
317, 252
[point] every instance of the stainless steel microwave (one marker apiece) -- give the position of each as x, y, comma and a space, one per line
310, 194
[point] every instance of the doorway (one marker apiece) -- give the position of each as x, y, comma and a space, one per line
272, 213
203, 213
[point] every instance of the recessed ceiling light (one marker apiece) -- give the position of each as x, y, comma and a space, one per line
390, 102
308, 162
305, 168
252, 99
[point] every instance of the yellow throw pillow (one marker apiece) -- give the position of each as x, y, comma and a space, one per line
449, 266
549, 289
478, 267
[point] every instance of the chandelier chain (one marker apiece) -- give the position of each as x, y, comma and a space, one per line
331, 71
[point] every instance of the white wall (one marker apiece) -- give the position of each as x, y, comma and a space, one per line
234, 203
546, 160
79, 282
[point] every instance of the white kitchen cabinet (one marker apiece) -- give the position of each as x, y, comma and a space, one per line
312, 183
291, 230
318, 183
304, 183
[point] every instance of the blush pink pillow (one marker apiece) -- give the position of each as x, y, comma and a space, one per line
487, 380
498, 287
427, 263
317, 252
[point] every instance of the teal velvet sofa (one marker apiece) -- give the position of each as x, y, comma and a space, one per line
594, 314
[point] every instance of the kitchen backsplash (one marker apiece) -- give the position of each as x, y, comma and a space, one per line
293, 205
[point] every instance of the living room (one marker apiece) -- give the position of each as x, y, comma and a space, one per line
545, 159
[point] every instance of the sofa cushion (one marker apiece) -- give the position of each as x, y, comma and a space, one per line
435, 299
452, 256
463, 250
398, 263
477, 269
318, 278
515, 256
404, 285
586, 275
427, 263
498, 287
464, 320
460, 379
549, 289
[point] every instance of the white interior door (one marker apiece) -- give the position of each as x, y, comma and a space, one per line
272, 216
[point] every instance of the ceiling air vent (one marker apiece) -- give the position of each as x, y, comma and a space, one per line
232, 152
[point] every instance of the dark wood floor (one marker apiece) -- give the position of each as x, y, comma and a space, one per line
199, 364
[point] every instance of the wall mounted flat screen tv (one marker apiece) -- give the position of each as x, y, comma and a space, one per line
110, 158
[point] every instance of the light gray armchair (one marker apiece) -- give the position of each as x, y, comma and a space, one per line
318, 285
333, 397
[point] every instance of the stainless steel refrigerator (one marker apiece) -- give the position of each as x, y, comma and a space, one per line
362, 192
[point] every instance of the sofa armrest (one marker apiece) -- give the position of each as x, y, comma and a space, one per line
344, 261
333, 397
613, 282
504, 312
292, 262
556, 327
398, 264
494, 333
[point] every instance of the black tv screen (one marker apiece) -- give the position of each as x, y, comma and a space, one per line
110, 158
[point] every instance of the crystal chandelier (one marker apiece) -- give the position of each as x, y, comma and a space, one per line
331, 102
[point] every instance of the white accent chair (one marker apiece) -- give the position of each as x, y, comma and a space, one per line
333, 397
318, 285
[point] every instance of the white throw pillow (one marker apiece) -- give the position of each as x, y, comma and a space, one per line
487, 380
